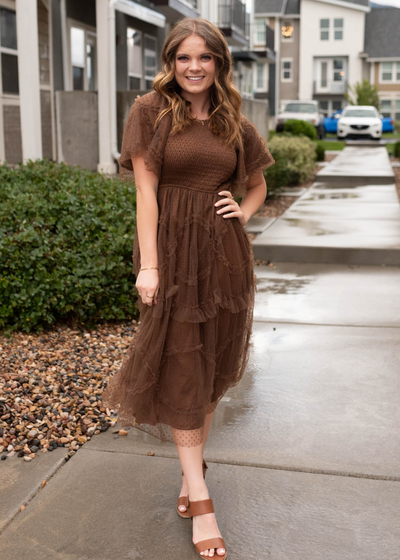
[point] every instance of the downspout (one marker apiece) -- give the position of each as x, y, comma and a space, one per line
113, 80
64, 42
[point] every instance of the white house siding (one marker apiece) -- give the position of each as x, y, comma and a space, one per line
311, 46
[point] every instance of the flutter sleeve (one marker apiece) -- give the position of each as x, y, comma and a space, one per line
140, 139
255, 156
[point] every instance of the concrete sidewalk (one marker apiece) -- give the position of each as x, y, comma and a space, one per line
344, 218
304, 454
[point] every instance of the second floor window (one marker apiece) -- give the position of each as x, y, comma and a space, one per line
324, 29
338, 29
8, 50
390, 72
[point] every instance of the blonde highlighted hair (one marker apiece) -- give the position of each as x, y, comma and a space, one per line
225, 99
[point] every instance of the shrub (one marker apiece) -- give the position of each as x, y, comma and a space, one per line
300, 128
320, 151
65, 246
396, 150
294, 162
397, 127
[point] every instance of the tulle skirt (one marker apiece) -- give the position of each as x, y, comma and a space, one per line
193, 344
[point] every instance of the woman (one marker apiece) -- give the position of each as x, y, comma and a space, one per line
190, 149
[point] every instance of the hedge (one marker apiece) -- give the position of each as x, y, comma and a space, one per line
295, 158
66, 239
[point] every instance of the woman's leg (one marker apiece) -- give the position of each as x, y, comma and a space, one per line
207, 425
204, 526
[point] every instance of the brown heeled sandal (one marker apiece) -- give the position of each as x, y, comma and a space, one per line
184, 500
202, 507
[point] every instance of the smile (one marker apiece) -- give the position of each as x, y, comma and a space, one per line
194, 79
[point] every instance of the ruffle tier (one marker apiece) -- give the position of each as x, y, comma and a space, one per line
193, 344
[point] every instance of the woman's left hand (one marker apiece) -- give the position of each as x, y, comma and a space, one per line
232, 205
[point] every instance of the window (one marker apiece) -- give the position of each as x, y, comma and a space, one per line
260, 75
336, 105
135, 62
338, 29
386, 71
338, 72
150, 60
286, 75
324, 108
259, 36
83, 58
386, 107
8, 50
390, 72
324, 29
397, 110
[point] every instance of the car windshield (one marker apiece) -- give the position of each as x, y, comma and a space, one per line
363, 113
300, 108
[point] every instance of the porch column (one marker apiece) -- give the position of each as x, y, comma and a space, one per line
106, 163
28, 76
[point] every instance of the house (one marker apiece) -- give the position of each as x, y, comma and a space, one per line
322, 46
382, 57
71, 69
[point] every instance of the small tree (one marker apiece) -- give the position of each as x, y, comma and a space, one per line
363, 93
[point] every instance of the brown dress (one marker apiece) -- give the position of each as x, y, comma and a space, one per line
193, 344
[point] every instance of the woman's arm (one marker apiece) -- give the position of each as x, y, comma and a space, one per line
255, 196
147, 281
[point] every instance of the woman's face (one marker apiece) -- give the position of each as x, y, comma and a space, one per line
193, 59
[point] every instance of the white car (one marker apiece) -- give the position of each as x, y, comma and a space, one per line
360, 121
304, 111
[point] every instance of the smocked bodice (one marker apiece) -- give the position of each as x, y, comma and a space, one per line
197, 158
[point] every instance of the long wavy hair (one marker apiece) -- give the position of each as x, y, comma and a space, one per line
225, 98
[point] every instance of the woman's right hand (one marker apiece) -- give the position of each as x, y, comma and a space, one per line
147, 284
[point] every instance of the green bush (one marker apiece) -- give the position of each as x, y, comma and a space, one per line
65, 246
294, 162
300, 128
397, 127
396, 150
320, 150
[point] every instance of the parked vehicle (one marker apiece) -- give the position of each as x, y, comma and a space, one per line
387, 124
360, 121
303, 111
331, 123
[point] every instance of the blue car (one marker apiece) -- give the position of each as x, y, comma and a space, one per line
331, 123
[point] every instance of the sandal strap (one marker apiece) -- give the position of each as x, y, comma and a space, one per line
201, 507
216, 542
183, 501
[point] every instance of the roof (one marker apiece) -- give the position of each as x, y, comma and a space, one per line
290, 6
382, 33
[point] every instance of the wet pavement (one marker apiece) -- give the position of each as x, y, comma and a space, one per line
360, 165
348, 221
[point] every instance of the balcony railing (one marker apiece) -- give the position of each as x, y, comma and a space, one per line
329, 86
232, 14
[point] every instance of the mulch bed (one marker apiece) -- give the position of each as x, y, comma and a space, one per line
51, 383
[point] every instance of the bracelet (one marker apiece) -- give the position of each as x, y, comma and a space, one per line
148, 268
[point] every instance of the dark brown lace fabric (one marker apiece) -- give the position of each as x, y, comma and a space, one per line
193, 344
